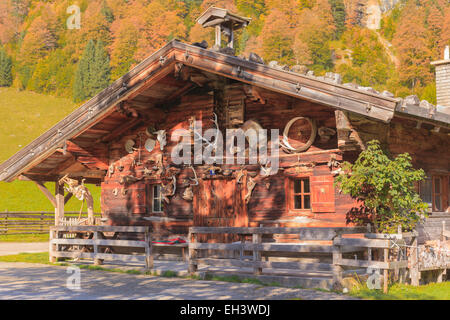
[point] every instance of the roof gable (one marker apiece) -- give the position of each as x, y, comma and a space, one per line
163, 62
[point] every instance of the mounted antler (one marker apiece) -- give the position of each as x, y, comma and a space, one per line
195, 175
250, 186
266, 170
209, 144
168, 190
161, 136
82, 193
188, 194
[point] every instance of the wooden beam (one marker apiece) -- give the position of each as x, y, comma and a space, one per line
214, 22
89, 177
46, 192
296, 85
65, 165
140, 78
59, 208
180, 92
120, 130
218, 36
67, 197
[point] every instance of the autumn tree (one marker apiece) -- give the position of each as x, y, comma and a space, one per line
277, 38
312, 35
163, 22
40, 38
445, 33
12, 15
124, 46
5, 69
411, 40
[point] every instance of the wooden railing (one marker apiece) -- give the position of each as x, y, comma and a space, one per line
92, 242
376, 245
26, 222
258, 248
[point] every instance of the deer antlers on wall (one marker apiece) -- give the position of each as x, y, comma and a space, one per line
200, 137
250, 186
169, 189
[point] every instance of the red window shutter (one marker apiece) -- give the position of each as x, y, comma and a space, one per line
322, 194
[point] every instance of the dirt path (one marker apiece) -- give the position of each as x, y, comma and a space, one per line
7, 248
36, 281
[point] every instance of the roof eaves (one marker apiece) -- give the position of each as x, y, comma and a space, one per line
81, 118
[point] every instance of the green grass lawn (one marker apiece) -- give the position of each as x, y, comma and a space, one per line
26, 115
39, 257
25, 238
433, 291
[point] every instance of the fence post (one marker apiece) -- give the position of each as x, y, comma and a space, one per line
397, 270
192, 252
148, 251
337, 268
414, 263
41, 229
97, 261
51, 256
6, 222
385, 271
241, 250
257, 239
369, 249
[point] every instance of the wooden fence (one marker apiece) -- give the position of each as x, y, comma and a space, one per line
380, 246
94, 242
98, 243
294, 252
19, 222
384, 253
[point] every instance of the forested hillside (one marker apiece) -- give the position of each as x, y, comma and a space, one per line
386, 44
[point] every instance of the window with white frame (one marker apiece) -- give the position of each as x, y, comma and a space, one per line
157, 203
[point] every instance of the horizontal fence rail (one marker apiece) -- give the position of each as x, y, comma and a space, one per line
289, 252
100, 243
92, 242
378, 245
32, 222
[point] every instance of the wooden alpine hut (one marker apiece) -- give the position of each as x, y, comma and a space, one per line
124, 139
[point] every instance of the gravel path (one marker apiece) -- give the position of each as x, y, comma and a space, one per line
7, 248
37, 281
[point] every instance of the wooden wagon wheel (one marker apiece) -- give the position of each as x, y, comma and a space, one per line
285, 145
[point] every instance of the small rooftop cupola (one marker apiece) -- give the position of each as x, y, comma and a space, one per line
225, 22
443, 79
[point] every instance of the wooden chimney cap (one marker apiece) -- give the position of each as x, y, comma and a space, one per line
214, 16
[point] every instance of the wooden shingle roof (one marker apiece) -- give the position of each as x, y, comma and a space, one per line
163, 62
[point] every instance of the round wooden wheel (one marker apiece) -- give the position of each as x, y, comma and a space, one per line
285, 142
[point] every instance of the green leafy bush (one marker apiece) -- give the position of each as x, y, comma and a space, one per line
385, 187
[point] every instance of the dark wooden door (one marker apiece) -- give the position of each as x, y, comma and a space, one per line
220, 203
